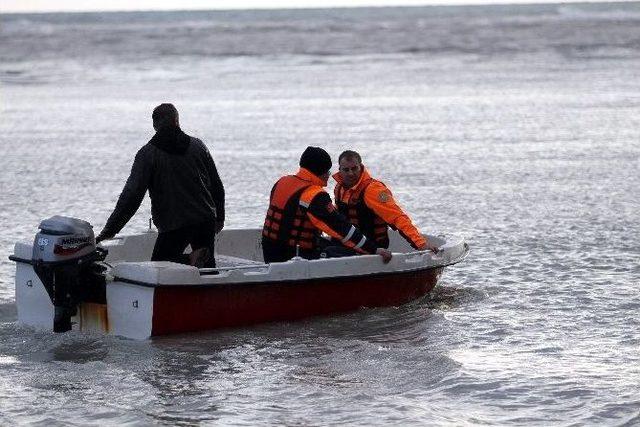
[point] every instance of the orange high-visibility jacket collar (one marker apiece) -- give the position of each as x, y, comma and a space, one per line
307, 175
363, 177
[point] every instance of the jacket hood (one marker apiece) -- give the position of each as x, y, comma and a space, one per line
307, 175
171, 140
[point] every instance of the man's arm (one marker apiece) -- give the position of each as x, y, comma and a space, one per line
325, 217
217, 191
379, 199
130, 198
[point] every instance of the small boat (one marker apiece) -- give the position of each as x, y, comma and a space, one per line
65, 282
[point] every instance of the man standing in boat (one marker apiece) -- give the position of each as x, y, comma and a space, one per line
300, 209
369, 204
187, 195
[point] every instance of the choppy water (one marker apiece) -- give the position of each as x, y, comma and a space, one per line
516, 127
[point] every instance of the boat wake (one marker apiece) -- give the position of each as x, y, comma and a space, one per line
448, 297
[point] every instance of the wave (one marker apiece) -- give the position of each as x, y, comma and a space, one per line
66, 47
432, 30
607, 11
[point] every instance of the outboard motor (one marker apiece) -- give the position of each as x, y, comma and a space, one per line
64, 258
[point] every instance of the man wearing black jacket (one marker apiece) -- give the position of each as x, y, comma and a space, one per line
187, 195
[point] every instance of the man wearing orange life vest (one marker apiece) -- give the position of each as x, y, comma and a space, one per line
299, 210
369, 204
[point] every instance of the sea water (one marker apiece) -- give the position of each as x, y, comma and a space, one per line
515, 127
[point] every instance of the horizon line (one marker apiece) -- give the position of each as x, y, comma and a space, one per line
442, 3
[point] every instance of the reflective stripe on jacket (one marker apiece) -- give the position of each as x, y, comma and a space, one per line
370, 205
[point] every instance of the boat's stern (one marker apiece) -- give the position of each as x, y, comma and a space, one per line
59, 275
34, 305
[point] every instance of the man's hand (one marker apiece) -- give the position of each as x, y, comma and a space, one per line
219, 226
385, 254
429, 246
102, 237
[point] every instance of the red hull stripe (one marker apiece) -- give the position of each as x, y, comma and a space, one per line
185, 308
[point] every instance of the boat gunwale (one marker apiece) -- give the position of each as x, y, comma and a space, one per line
271, 282
284, 281
268, 282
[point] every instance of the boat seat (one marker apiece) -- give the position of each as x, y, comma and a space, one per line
232, 261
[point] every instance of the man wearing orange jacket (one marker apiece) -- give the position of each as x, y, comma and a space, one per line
369, 204
300, 209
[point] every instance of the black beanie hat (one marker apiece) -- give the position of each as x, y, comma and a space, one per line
316, 160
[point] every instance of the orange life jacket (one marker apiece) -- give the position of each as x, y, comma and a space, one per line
360, 215
287, 221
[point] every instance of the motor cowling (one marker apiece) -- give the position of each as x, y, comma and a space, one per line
64, 258
63, 239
